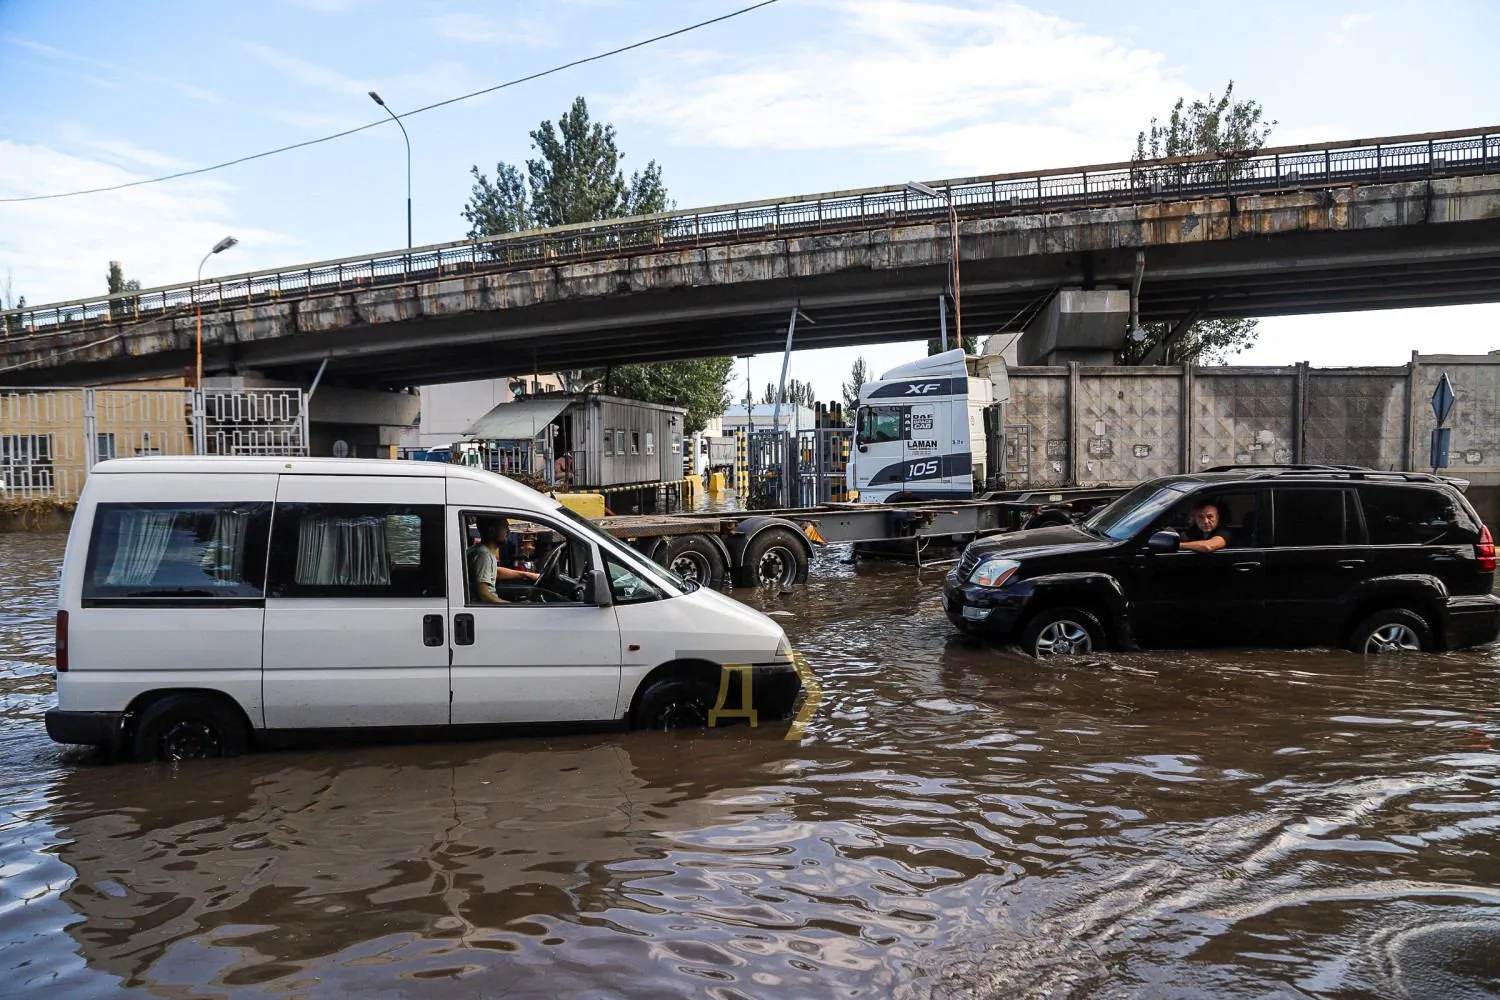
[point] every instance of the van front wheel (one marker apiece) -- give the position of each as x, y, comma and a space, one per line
675, 704
188, 727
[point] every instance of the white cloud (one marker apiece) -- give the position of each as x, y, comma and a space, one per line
481, 30
1346, 27
979, 89
59, 250
63, 55
307, 73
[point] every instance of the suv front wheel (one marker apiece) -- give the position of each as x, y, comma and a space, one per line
1392, 630
1062, 632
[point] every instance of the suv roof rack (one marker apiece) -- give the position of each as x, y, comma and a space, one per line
1340, 472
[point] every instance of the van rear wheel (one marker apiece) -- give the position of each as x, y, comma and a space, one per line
188, 727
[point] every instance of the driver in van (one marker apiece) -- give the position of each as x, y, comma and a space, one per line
1206, 532
485, 566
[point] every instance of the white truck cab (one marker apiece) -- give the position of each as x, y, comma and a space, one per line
208, 603
920, 429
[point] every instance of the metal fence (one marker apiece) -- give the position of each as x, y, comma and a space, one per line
51, 438
1438, 154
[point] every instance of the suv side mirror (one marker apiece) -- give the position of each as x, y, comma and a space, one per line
596, 589
1163, 541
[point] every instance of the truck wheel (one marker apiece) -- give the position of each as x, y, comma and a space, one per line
1062, 632
188, 727
1392, 630
773, 557
675, 703
697, 559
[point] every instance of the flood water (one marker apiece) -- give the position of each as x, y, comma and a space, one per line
954, 822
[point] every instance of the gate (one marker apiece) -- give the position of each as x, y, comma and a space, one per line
823, 457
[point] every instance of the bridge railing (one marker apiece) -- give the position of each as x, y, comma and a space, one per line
1266, 171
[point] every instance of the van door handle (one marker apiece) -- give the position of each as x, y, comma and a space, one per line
1247, 567
463, 630
1351, 563
432, 630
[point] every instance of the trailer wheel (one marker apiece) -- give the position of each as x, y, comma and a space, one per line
696, 559
773, 557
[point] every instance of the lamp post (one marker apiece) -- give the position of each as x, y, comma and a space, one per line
917, 187
219, 247
376, 98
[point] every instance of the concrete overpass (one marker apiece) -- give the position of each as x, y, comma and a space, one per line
1361, 224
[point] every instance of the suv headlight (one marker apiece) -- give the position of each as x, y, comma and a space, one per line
994, 571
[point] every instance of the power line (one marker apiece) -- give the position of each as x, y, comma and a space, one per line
452, 100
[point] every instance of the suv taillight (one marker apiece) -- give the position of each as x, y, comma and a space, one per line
1484, 551
62, 633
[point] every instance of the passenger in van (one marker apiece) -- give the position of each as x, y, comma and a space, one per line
1206, 532
486, 565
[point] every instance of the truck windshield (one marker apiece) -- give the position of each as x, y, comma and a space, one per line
674, 585
1133, 511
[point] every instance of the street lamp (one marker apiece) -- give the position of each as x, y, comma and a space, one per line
376, 98
917, 187
219, 247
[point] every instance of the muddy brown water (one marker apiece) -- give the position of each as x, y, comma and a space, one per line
955, 822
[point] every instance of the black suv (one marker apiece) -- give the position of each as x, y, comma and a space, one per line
1373, 561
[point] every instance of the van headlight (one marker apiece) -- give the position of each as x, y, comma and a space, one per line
994, 571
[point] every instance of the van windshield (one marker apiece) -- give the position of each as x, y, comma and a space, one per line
674, 585
1133, 511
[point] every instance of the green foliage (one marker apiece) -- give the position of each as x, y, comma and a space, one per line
698, 385
798, 393
118, 283
575, 177
935, 345
859, 374
1220, 126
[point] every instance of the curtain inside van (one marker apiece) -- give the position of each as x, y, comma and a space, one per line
224, 556
342, 551
144, 536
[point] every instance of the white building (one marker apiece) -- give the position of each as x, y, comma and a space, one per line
450, 409
793, 418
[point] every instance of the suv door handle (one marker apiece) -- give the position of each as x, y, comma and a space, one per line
432, 630
1351, 563
1246, 567
463, 630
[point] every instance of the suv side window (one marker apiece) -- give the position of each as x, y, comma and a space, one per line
1313, 517
1404, 515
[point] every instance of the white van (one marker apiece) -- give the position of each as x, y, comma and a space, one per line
208, 603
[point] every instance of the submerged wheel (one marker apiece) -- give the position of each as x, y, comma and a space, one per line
1062, 632
774, 557
188, 727
697, 560
1392, 630
675, 703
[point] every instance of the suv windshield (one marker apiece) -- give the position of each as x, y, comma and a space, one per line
1133, 511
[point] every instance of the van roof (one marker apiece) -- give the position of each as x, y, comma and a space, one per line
272, 465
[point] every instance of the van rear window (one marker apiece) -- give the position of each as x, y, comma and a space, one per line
177, 551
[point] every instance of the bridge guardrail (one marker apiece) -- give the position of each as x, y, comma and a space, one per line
1283, 168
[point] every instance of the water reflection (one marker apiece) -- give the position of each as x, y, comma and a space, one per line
957, 821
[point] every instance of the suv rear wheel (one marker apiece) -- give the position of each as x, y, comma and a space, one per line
1391, 630
1062, 632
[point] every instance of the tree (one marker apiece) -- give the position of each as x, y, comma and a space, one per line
798, 393
1222, 127
118, 283
859, 374
576, 177
11, 300
935, 345
698, 385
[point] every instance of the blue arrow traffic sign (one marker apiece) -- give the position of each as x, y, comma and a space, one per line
1442, 400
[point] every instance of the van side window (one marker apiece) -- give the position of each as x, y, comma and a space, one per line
627, 586
175, 551
356, 550
1310, 517
1407, 516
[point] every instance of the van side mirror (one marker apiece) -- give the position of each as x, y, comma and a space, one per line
1163, 541
596, 589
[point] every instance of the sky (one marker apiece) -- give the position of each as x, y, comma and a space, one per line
799, 97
